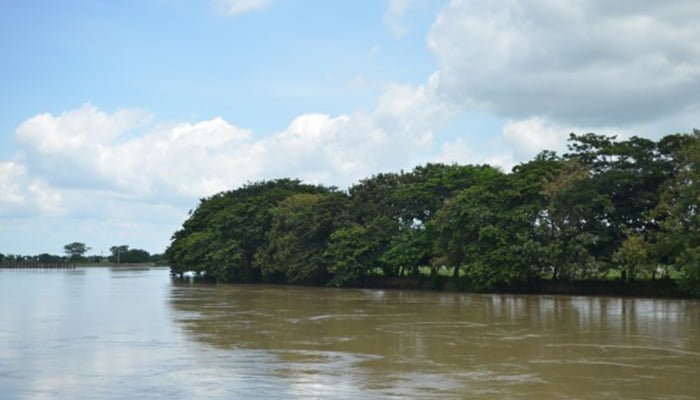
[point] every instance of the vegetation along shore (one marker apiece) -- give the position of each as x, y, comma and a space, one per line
609, 216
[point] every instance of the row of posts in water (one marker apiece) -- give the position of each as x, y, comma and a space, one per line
25, 264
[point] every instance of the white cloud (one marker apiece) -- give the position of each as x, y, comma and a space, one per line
528, 137
114, 185
236, 7
590, 63
459, 151
91, 149
394, 16
20, 194
10, 189
78, 128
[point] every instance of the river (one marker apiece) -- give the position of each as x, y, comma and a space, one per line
101, 333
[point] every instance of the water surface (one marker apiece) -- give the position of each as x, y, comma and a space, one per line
123, 334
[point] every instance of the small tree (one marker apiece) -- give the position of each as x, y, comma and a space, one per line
76, 250
632, 256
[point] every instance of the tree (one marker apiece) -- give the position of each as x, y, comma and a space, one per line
629, 174
626, 204
45, 258
302, 225
408, 250
349, 255
425, 189
226, 230
571, 224
75, 250
484, 231
117, 252
632, 256
679, 212
377, 208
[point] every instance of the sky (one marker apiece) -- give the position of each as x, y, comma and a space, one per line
116, 118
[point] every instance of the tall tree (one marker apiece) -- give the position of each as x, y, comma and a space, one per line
680, 214
572, 224
630, 174
226, 230
75, 250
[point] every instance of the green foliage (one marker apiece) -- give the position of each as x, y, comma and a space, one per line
426, 188
302, 225
408, 250
75, 250
679, 212
484, 231
629, 175
349, 255
123, 254
607, 208
571, 223
221, 237
632, 255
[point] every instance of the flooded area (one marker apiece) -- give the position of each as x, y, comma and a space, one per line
119, 334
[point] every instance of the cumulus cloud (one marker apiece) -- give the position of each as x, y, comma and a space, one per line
586, 63
528, 137
459, 151
77, 128
20, 194
92, 149
236, 7
119, 177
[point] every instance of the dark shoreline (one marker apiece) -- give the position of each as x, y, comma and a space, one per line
660, 288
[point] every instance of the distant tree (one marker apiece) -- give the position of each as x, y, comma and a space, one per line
44, 257
133, 256
76, 250
123, 254
95, 259
116, 252
158, 258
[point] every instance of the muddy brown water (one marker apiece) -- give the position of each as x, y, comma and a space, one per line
133, 333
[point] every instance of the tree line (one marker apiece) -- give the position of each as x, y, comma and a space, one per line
606, 209
77, 252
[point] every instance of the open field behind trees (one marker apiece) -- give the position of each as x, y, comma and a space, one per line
608, 210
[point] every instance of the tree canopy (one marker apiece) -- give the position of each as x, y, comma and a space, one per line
608, 207
75, 250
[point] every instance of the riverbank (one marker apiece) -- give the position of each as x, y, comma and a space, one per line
661, 288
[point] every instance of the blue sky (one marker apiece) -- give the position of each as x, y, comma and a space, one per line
184, 60
116, 117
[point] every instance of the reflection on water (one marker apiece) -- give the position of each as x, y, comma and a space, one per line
422, 344
120, 333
